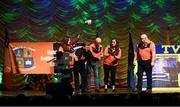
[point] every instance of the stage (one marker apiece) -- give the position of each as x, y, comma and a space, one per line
102, 92
122, 96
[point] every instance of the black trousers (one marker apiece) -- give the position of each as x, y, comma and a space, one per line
66, 74
66, 78
79, 68
109, 70
144, 66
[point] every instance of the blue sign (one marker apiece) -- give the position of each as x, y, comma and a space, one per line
167, 49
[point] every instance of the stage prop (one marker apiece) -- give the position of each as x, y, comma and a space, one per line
36, 58
32, 58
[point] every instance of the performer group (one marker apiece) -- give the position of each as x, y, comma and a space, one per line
85, 60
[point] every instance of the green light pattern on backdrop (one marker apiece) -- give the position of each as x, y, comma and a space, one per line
50, 20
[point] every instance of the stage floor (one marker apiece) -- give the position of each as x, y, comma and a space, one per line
122, 96
109, 92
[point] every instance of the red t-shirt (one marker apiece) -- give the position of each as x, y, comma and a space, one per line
145, 51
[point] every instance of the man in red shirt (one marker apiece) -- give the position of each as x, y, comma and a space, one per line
145, 56
96, 53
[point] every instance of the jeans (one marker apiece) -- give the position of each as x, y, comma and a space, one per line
95, 68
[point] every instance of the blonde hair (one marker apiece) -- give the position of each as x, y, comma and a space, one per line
144, 36
98, 40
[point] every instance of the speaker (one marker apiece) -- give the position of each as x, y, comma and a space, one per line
63, 88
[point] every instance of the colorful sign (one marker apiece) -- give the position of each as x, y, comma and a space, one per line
167, 49
33, 58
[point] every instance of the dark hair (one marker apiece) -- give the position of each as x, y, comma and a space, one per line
116, 46
65, 44
117, 43
65, 40
80, 44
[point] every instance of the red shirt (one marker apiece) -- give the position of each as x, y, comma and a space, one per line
145, 52
111, 59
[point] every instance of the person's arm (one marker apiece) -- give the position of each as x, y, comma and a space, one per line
119, 54
61, 49
95, 55
75, 57
59, 53
153, 51
135, 58
78, 53
135, 55
101, 52
75, 40
91, 50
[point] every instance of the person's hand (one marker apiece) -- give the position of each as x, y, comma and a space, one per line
78, 36
76, 58
113, 53
134, 62
152, 64
99, 58
82, 58
108, 55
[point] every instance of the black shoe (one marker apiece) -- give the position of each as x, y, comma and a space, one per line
113, 90
149, 91
83, 91
134, 90
105, 89
76, 92
139, 91
97, 90
88, 91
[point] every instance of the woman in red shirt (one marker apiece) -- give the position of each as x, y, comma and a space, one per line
112, 53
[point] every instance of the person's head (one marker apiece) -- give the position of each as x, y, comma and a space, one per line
114, 43
144, 38
86, 47
98, 41
66, 40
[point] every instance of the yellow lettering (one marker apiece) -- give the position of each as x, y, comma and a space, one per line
165, 49
175, 49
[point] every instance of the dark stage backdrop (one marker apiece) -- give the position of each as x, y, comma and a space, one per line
50, 20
